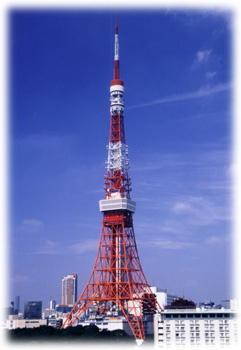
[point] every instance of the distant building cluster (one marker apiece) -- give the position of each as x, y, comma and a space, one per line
180, 323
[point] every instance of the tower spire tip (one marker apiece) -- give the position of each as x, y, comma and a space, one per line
116, 25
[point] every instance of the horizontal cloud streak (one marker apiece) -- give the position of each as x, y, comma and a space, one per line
77, 248
167, 244
203, 92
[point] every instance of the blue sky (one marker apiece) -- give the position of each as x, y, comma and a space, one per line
177, 70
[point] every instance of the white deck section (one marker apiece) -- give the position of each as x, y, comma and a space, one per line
117, 88
118, 203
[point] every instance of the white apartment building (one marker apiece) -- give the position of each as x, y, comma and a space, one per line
22, 323
163, 298
195, 327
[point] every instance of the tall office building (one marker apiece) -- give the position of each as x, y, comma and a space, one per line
17, 305
32, 309
69, 290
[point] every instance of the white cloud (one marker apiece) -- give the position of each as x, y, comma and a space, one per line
83, 247
77, 248
32, 222
202, 92
20, 278
217, 239
203, 56
201, 211
30, 225
167, 244
180, 207
210, 75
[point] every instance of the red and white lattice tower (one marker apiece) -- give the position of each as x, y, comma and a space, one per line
117, 281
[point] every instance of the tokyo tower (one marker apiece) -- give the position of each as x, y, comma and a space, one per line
117, 281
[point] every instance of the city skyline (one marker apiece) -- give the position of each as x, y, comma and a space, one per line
176, 66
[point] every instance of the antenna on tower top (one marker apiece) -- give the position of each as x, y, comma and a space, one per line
116, 25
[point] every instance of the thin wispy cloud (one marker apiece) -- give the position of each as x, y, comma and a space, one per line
20, 278
201, 211
32, 222
77, 248
167, 244
30, 225
203, 92
217, 240
210, 75
202, 56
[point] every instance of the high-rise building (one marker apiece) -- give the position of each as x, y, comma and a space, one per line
17, 305
52, 304
69, 289
32, 309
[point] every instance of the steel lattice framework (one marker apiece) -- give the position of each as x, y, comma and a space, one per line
117, 280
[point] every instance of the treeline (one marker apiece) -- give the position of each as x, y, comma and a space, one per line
75, 334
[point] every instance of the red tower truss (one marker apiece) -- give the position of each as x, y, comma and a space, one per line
117, 281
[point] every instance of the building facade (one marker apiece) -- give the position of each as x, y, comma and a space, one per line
33, 309
17, 305
162, 297
118, 322
69, 290
194, 327
21, 323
